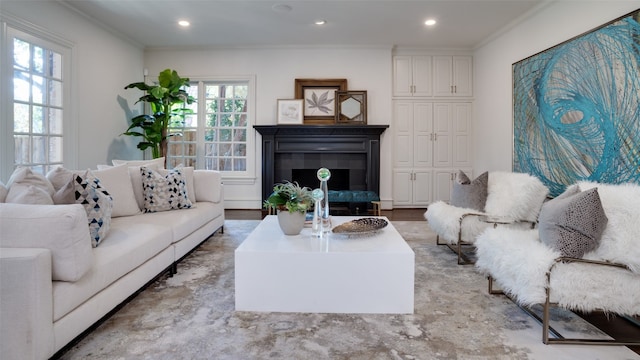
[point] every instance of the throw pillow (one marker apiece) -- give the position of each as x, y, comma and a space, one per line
159, 162
60, 177
117, 181
3, 192
28, 194
66, 194
187, 172
470, 194
97, 203
29, 187
573, 224
162, 193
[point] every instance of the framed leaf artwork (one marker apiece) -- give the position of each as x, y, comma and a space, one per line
319, 98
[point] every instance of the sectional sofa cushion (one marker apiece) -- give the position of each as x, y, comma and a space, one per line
573, 223
132, 241
470, 194
159, 162
60, 228
117, 182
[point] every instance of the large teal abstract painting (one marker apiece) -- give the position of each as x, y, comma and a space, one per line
576, 113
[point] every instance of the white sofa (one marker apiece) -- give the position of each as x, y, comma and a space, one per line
41, 244
534, 269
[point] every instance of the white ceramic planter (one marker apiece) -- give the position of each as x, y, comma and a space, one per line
291, 223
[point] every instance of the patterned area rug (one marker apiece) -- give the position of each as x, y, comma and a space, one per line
191, 316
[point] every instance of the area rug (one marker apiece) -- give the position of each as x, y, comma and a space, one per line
191, 316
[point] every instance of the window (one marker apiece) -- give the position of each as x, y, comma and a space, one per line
215, 136
36, 102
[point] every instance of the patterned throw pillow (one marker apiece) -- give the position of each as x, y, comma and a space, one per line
98, 204
162, 193
470, 194
573, 223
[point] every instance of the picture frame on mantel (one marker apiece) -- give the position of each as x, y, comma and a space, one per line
351, 107
290, 111
319, 99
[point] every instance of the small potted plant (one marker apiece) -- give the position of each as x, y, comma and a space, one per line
292, 202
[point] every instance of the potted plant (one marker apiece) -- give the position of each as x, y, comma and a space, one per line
292, 202
166, 100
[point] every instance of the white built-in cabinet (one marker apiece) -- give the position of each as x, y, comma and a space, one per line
437, 75
412, 76
432, 110
431, 143
452, 76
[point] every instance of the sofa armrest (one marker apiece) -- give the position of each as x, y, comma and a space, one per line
26, 304
208, 185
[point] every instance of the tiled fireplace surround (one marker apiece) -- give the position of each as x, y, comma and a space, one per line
296, 152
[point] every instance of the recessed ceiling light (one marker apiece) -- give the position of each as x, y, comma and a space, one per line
184, 23
430, 22
281, 8
320, 22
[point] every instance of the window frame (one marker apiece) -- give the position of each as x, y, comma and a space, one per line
10, 28
231, 177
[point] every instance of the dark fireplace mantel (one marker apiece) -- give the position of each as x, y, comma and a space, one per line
320, 139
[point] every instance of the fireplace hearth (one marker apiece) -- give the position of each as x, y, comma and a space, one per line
296, 152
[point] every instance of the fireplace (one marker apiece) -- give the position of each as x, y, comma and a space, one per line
296, 152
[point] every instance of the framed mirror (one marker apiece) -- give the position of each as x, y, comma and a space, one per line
351, 107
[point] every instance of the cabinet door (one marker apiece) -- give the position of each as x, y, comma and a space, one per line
442, 76
422, 135
402, 187
403, 115
402, 77
421, 67
461, 135
422, 185
462, 76
442, 184
442, 147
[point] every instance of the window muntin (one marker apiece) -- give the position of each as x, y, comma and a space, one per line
37, 105
215, 136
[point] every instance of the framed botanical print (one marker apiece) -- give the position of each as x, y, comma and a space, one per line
319, 98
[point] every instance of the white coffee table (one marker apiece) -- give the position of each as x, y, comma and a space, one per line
279, 273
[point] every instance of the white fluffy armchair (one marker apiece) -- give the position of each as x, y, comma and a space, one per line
541, 266
512, 198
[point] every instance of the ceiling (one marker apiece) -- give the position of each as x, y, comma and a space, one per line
461, 24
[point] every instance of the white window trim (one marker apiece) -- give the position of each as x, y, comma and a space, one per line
10, 25
234, 178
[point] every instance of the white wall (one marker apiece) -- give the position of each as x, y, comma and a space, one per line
275, 70
551, 25
103, 64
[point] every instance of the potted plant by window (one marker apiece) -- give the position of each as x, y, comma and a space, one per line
292, 202
166, 100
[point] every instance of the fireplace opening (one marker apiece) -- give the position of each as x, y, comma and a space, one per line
308, 177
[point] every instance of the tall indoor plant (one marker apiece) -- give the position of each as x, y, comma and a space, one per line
166, 100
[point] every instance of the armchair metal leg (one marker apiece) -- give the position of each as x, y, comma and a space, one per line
552, 336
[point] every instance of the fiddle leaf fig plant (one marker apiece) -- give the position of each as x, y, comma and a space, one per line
166, 101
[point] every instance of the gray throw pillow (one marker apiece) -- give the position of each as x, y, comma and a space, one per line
573, 223
470, 194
